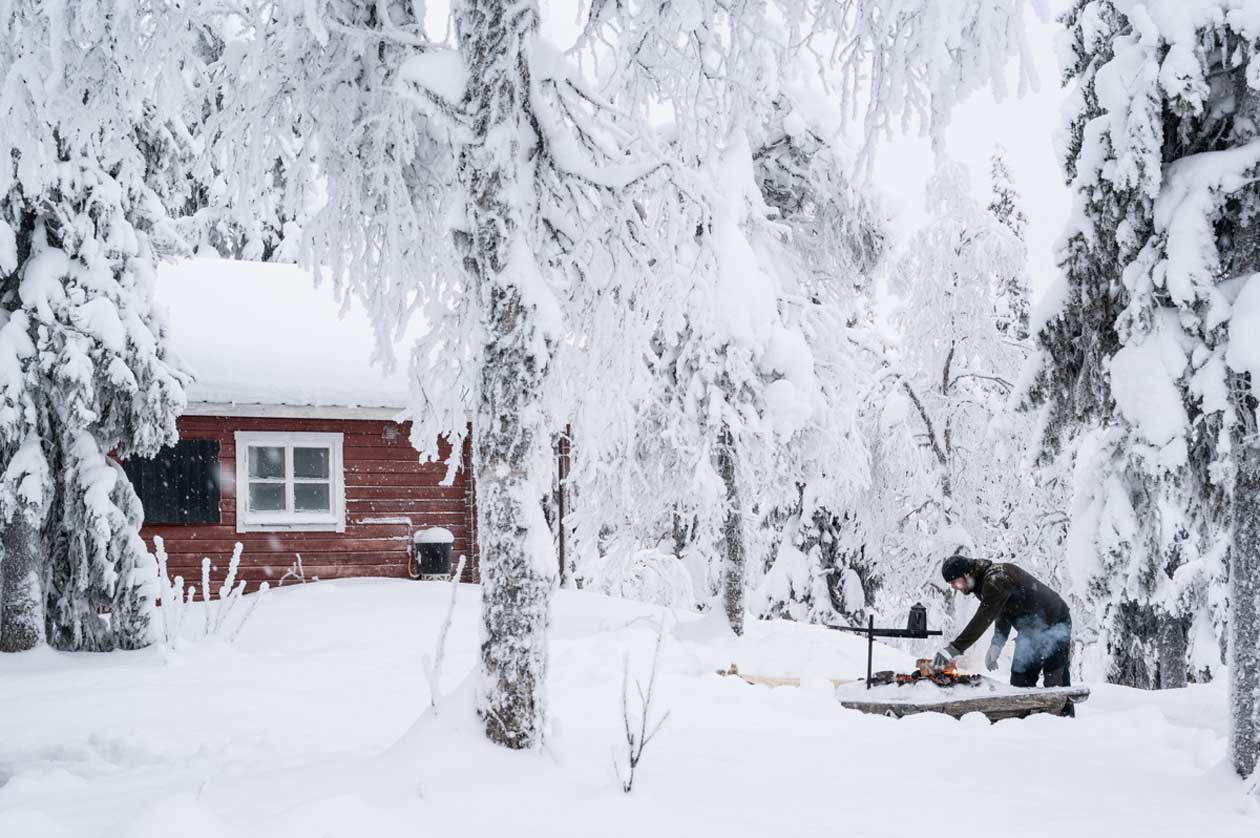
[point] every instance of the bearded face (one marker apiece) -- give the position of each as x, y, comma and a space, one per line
964, 584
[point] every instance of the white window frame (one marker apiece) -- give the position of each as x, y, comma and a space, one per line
249, 521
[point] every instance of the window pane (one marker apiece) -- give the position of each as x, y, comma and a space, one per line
266, 461
310, 462
311, 497
266, 497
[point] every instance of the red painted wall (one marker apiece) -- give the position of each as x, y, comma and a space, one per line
383, 480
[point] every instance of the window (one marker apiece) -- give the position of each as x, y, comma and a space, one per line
289, 481
179, 484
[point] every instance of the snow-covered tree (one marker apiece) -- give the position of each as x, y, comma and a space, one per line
216, 213
1146, 350
482, 182
946, 448
1014, 296
734, 81
543, 232
84, 365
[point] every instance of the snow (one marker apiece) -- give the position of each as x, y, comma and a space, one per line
42, 287
1144, 382
434, 535
307, 726
925, 692
264, 334
744, 303
1243, 354
8, 248
441, 71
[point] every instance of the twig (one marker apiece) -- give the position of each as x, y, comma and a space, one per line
433, 666
637, 740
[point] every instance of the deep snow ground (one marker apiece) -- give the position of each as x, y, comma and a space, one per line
307, 727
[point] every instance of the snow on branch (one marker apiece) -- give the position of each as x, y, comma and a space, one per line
897, 62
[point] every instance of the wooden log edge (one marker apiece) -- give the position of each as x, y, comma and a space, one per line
994, 707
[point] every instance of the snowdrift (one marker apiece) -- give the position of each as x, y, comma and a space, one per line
316, 723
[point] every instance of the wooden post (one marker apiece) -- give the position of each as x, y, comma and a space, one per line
562, 478
870, 647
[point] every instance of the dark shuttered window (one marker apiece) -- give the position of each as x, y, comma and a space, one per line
180, 485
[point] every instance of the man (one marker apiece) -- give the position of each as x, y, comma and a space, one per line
1013, 597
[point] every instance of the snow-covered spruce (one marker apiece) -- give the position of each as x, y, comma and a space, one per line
1156, 369
83, 364
1014, 297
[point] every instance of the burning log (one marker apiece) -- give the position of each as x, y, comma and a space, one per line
942, 676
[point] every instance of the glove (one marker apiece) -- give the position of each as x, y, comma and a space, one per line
991, 657
944, 656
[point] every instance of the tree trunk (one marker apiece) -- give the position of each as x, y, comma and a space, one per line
512, 450
733, 536
1244, 623
21, 588
1171, 647
1131, 646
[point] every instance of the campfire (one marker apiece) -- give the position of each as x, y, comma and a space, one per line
942, 676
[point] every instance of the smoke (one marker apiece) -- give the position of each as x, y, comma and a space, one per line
1037, 642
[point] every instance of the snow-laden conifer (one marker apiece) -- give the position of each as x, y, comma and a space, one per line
1147, 348
1014, 297
85, 366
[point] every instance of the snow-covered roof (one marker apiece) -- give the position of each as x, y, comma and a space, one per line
255, 333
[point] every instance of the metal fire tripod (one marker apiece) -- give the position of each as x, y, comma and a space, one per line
916, 630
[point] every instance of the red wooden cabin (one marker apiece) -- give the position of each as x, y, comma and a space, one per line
289, 444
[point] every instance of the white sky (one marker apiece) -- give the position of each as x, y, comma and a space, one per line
1026, 127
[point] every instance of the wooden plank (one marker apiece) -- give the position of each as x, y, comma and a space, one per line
285, 558
454, 508
772, 681
401, 465
379, 452
370, 479
379, 439
190, 566
271, 544
198, 533
396, 570
412, 492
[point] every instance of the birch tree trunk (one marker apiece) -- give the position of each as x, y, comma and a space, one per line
733, 558
511, 451
21, 591
1243, 259
1244, 622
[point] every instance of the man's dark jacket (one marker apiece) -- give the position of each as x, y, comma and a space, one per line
1009, 596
